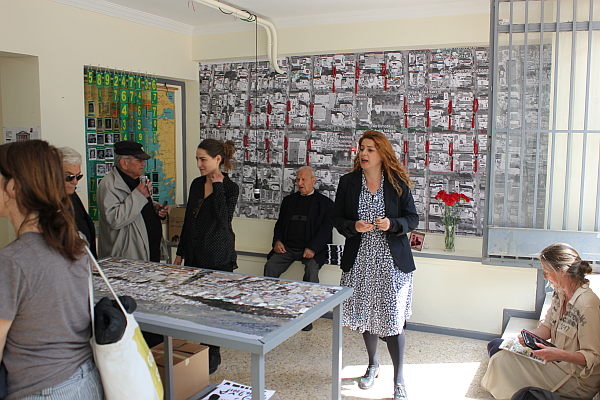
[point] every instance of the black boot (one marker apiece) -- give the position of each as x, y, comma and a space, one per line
400, 392
368, 379
214, 359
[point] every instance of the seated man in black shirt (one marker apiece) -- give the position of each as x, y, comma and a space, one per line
302, 231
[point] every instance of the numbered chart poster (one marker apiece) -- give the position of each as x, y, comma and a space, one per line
124, 106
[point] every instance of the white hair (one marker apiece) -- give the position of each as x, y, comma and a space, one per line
69, 156
306, 167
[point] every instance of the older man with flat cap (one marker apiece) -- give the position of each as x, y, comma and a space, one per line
129, 221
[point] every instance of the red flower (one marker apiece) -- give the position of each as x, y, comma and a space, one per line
465, 198
440, 195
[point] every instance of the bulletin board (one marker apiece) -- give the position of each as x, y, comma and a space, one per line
431, 104
128, 106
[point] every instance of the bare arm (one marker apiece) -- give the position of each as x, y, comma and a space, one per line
4, 327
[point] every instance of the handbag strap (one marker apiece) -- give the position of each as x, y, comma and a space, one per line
95, 263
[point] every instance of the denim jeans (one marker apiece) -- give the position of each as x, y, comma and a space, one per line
84, 384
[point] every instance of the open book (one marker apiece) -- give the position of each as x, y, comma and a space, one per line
512, 344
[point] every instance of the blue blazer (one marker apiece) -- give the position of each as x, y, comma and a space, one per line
400, 210
319, 228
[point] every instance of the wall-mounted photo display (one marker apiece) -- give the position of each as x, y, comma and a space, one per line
91, 153
91, 110
91, 139
91, 124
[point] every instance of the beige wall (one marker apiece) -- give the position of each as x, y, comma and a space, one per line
418, 33
65, 39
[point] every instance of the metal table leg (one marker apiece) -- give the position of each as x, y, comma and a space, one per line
258, 377
169, 387
336, 354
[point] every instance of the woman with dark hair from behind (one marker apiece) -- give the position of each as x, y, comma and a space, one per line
572, 324
71, 162
374, 210
207, 239
45, 324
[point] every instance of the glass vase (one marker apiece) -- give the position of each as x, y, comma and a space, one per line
450, 230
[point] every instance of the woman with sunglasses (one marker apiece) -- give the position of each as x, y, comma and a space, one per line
572, 324
45, 325
71, 161
207, 239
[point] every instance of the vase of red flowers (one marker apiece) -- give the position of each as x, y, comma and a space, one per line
451, 203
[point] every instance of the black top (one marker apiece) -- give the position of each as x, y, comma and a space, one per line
151, 219
84, 222
296, 237
207, 239
399, 209
318, 229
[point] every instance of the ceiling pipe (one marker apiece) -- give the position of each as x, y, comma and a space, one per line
242, 14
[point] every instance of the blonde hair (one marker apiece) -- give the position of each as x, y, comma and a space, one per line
561, 257
390, 162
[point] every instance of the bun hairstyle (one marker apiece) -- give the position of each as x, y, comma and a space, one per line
215, 148
36, 170
561, 257
389, 161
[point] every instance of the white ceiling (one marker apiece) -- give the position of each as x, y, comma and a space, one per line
192, 18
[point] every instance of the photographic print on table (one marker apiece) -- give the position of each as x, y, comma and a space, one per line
416, 240
91, 124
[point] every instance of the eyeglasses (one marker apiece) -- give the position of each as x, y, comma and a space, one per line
69, 178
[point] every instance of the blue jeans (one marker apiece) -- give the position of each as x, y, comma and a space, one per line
84, 384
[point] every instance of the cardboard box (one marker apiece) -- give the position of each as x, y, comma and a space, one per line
190, 367
176, 216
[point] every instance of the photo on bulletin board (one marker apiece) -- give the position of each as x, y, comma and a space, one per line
108, 138
99, 125
109, 154
116, 124
108, 124
100, 169
91, 138
91, 108
100, 139
109, 166
91, 154
100, 154
416, 240
116, 138
91, 124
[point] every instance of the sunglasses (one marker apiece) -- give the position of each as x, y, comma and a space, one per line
69, 178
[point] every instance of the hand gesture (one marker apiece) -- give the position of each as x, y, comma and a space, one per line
161, 210
279, 247
548, 353
177, 260
383, 223
144, 188
364, 226
217, 177
308, 253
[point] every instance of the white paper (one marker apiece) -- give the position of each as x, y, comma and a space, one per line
228, 390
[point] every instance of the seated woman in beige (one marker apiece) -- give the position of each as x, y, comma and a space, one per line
572, 324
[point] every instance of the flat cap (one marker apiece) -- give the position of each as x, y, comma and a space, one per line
129, 148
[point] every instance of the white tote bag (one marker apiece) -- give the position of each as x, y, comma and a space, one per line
127, 367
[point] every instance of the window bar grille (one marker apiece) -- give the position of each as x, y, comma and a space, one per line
523, 113
539, 121
570, 121
553, 143
586, 114
508, 113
